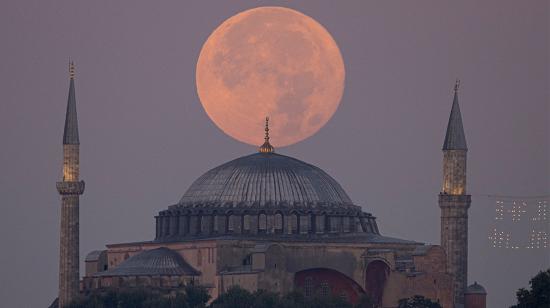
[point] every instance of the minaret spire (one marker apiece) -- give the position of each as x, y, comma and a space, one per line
454, 202
455, 139
266, 147
70, 133
70, 189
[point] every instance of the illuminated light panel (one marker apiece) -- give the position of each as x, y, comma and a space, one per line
510, 231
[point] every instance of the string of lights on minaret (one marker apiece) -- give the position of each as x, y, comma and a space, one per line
520, 222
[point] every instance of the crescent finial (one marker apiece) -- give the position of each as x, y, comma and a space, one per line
266, 147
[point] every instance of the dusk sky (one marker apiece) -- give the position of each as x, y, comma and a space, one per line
145, 136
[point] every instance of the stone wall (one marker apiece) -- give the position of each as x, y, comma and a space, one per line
454, 239
274, 265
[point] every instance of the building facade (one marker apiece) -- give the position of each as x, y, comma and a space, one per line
270, 221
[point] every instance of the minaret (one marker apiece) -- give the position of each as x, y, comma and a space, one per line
70, 189
454, 202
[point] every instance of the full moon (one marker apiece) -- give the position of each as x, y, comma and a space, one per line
275, 62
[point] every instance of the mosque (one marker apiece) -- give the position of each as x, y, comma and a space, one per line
270, 221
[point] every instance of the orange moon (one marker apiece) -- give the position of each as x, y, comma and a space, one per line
270, 61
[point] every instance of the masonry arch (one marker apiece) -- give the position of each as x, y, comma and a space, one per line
376, 276
326, 281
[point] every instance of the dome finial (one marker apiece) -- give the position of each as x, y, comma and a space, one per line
457, 85
266, 147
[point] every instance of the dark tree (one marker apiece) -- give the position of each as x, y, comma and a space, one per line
418, 301
293, 299
365, 302
235, 297
196, 296
266, 299
140, 298
539, 295
328, 302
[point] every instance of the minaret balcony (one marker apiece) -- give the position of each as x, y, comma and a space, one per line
454, 198
70, 187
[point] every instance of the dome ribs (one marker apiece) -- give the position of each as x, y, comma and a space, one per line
266, 179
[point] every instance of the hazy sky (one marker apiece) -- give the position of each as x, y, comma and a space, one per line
145, 137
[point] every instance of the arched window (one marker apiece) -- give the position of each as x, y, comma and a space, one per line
166, 225
262, 223
324, 289
215, 223
206, 224
246, 223
320, 223
345, 224
174, 224
357, 225
308, 287
199, 224
183, 224
304, 224
334, 223
234, 224
293, 224
278, 222
230, 223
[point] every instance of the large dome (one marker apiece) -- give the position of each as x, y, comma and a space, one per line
266, 178
264, 195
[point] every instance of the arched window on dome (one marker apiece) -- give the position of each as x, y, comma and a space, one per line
262, 223
230, 225
184, 224
157, 230
174, 224
345, 224
334, 224
320, 223
215, 222
353, 224
206, 224
166, 225
293, 224
304, 223
222, 223
278, 224
198, 227
234, 224
246, 223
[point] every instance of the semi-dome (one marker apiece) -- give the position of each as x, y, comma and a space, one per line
266, 178
155, 262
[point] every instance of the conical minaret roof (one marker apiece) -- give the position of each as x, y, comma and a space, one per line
70, 133
455, 139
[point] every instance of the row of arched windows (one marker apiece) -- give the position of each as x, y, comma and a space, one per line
182, 225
